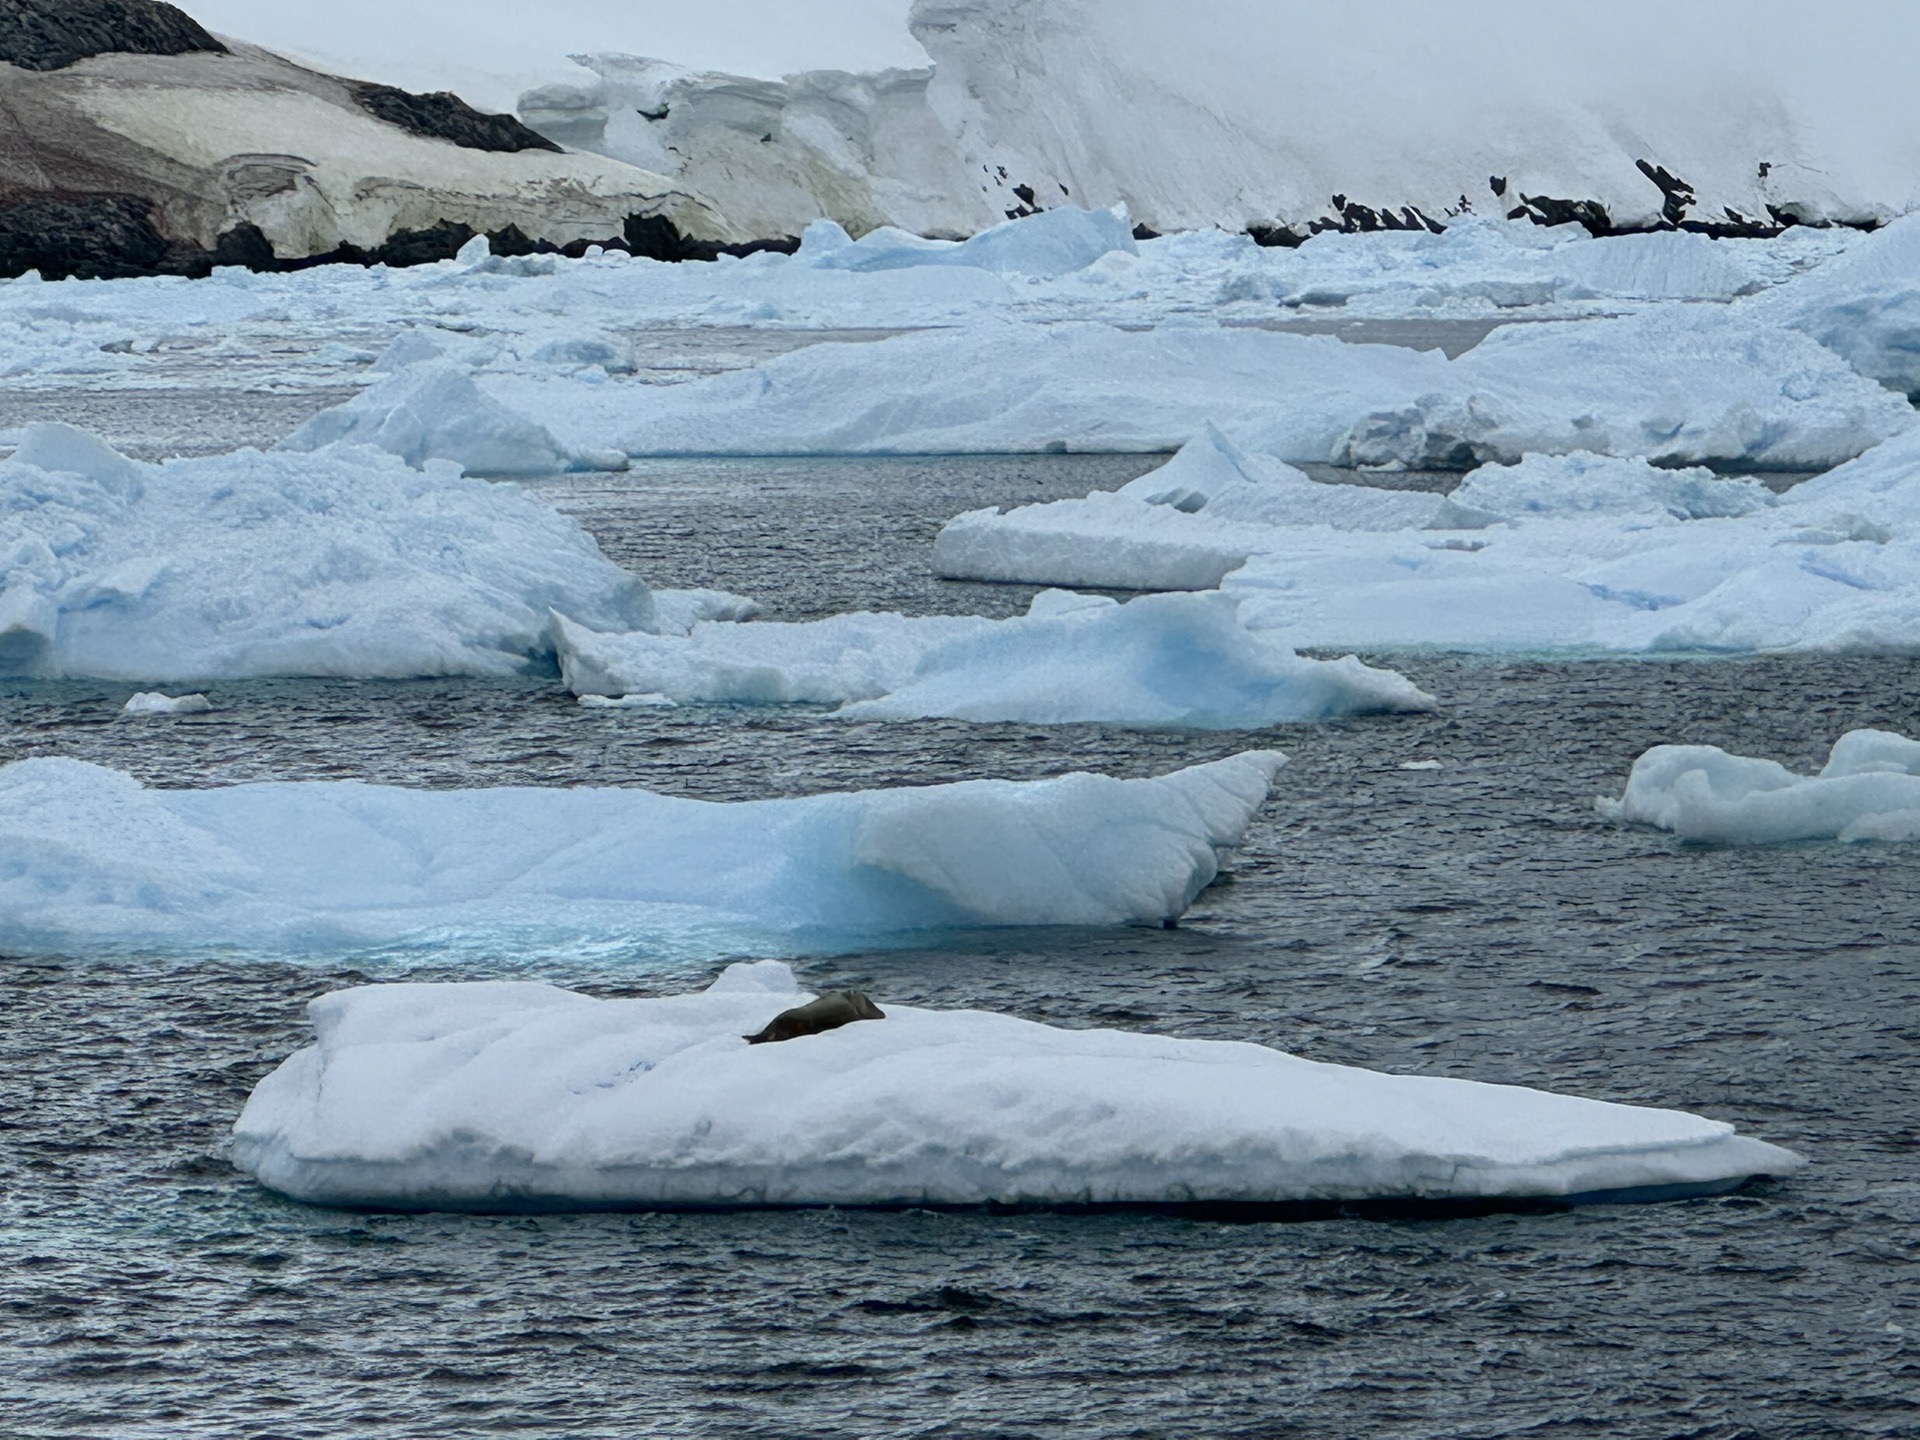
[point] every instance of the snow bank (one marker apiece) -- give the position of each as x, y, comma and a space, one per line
1869, 790
342, 563
88, 856
434, 411
1688, 385
1160, 660
499, 1096
1574, 554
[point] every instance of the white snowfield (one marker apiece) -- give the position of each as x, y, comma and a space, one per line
90, 857
502, 1096
342, 563
1868, 790
1172, 660
1575, 554
1676, 385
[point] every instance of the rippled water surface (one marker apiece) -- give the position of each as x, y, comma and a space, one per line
1477, 920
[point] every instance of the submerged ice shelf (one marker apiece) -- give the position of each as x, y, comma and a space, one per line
90, 858
1869, 789
499, 1096
1172, 660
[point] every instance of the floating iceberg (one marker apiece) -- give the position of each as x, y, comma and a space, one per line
1869, 790
433, 411
342, 563
1050, 244
1680, 385
1159, 660
500, 1096
152, 702
1863, 305
89, 856
1571, 554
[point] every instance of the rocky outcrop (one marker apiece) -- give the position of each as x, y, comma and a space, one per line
53, 34
131, 162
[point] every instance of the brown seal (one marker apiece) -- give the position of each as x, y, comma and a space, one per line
829, 1012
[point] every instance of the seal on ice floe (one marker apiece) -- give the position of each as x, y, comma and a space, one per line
829, 1012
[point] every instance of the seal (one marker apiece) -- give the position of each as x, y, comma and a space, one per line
829, 1012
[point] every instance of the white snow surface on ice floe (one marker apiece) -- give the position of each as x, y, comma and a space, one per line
1175, 660
1868, 790
495, 1096
342, 563
90, 857
434, 411
1863, 305
1677, 385
1050, 244
1572, 554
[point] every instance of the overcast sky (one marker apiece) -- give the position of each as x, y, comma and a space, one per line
491, 50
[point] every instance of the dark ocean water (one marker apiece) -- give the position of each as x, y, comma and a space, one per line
1478, 920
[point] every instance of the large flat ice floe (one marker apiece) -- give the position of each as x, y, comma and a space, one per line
1677, 385
1868, 790
1574, 554
501, 1096
89, 856
341, 563
1175, 660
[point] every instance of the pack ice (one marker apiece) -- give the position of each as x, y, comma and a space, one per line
1159, 660
1868, 790
89, 856
502, 1096
345, 563
1572, 554
1677, 385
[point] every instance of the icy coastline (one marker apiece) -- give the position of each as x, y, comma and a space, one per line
498, 1096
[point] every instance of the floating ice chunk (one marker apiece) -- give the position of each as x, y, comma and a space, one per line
1664, 265
151, 702
1160, 660
1869, 790
344, 563
1864, 305
628, 702
1680, 385
1571, 554
675, 612
432, 410
1601, 485
89, 856
500, 1096
1422, 765
1052, 243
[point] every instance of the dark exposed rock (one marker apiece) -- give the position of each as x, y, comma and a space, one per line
1275, 237
1679, 194
655, 237
1545, 210
445, 116
53, 34
829, 1012
1145, 232
90, 236
1498, 184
